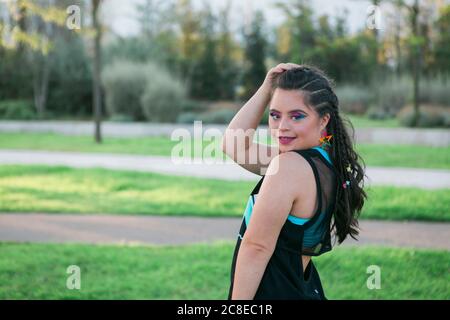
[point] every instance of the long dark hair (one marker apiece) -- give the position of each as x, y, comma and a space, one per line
318, 93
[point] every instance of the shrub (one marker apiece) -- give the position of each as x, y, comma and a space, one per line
193, 106
124, 83
224, 104
163, 96
394, 94
354, 99
117, 117
223, 116
70, 83
379, 113
17, 110
429, 116
435, 91
188, 117
14, 74
447, 119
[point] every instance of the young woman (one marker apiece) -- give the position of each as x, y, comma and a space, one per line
312, 186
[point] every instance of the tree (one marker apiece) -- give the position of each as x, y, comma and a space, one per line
299, 21
255, 54
155, 17
22, 32
96, 83
441, 52
206, 78
31, 30
189, 42
418, 41
226, 49
398, 25
157, 41
416, 44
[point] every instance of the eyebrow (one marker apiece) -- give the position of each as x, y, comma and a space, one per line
292, 111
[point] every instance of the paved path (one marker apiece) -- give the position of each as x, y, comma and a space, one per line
429, 137
31, 227
227, 170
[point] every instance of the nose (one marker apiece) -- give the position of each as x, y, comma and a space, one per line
284, 124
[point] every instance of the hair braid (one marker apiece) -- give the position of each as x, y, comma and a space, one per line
319, 94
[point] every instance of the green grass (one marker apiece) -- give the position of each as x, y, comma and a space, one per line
408, 156
68, 190
202, 271
364, 122
373, 154
160, 146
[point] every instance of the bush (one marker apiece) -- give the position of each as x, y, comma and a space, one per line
143, 91
164, 95
394, 94
378, 113
429, 116
14, 74
223, 116
193, 106
447, 119
188, 117
70, 83
117, 117
124, 83
224, 104
354, 99
17, 110
435, 91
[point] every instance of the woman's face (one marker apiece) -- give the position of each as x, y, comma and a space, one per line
293, 124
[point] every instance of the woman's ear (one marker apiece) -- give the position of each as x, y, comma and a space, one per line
324, 121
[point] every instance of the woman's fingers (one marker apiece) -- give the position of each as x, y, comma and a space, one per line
287, 66
281, 67
293, 65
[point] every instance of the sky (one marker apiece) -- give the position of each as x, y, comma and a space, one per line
120, 15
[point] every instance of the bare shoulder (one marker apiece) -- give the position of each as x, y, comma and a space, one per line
289, 165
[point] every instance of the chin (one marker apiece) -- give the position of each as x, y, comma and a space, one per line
285, 148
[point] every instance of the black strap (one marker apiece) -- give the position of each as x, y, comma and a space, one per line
307, 155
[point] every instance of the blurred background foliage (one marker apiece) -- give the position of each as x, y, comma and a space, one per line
186, 64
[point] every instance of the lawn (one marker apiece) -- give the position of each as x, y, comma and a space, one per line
412, 156
202, 271
365, 122
69, 190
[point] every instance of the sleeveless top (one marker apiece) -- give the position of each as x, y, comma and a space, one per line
284, 276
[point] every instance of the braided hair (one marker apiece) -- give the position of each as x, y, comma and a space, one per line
317, 90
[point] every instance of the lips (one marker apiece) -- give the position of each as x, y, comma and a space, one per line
285, 140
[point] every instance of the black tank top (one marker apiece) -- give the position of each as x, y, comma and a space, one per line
284, 277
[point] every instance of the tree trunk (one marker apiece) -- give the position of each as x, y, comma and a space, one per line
416, 61
42, 62
40, 86
97, 100
398, 50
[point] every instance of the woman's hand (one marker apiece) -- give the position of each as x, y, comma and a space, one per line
280, 68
